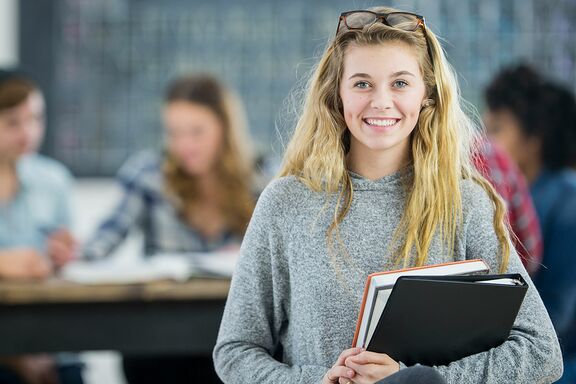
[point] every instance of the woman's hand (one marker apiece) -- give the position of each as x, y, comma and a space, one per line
339, 373
371, 367
61, 247
23, 263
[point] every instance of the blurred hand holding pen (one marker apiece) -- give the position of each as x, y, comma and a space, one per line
61, 247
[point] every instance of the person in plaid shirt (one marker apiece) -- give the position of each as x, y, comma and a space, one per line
197, 195
498, 168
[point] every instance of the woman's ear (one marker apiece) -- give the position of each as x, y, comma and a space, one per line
428, 103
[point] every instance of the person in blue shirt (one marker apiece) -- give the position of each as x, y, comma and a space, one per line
34, 214
34, 190
535, 121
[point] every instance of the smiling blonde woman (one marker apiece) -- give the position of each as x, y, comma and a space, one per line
377, 175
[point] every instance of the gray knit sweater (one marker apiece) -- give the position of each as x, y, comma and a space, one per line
287, 292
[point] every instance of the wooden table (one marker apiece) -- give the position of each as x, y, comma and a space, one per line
151, 318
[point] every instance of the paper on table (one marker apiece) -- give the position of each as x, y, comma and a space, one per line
217, 263
178, 267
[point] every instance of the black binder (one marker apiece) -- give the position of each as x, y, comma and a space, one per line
434, 320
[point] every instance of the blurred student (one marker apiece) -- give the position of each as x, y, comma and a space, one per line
503, 173
34, 210
535, 121
195, 196
34, 190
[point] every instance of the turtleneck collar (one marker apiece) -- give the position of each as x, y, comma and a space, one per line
392, 181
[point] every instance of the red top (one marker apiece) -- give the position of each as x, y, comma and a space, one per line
504, 175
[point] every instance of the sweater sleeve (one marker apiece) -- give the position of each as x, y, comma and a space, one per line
255, 316
532, 353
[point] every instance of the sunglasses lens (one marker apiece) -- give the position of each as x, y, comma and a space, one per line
359, 20
404, 21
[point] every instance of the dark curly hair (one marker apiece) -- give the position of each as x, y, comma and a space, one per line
544, 109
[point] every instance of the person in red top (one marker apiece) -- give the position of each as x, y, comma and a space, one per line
497, 167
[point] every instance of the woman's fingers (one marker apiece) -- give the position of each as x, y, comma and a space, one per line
345, 380
348, 353
367, 357
61, 247
371, 366
339, 372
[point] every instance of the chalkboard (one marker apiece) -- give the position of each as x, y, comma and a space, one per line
104, 63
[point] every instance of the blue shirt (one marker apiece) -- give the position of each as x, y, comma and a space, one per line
41, 205
554, 195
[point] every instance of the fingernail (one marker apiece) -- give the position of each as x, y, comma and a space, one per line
350, 373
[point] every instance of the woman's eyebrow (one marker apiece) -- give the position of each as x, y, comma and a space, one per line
402, 73
363, 75
395, 74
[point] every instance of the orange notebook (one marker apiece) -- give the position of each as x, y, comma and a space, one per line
379, 286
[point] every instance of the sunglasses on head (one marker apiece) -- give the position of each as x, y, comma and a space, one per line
355, 20
405, 21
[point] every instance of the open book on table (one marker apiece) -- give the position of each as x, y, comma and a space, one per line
177, 267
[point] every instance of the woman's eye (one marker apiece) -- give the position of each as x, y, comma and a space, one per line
399, 84
362, 85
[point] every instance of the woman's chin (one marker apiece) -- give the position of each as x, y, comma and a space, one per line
195, 170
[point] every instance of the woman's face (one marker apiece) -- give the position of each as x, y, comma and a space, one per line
382, 92
194, 136
22, 127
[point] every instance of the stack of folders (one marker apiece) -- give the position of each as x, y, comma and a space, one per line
437, 314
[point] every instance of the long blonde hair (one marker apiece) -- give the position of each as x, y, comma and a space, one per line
442, 140
235, 165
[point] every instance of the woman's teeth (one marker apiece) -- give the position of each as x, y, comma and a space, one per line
381, 122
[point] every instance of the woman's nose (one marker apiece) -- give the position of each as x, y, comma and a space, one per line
381, 99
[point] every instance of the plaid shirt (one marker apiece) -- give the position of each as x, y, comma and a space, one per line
146, 206
506, 178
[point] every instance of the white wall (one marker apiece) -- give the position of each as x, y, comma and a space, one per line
8, 33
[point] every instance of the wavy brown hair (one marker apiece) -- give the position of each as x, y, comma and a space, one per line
235, 166
441, 146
